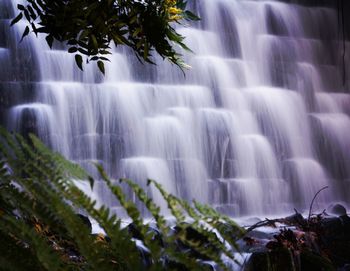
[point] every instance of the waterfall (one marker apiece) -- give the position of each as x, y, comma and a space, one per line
258, 125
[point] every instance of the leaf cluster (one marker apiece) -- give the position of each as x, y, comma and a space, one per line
88, 27
40, 228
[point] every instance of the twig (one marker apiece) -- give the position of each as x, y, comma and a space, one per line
263, 223
312, 202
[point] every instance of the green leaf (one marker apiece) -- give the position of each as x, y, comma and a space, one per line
104, 58
32, 12
79, 61
42, 29
17, 19
94, 42
101, 66
92, 182
49, 40
27, 15
190, 16
20, 7
72, 50
25, 33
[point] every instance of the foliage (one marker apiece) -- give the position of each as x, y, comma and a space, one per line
40, 230
89, 26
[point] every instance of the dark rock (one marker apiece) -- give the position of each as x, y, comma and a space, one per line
173, 265
274, 260
338, 209
229, 231
157, 236
273, 245
296, 219
346, 226
170, 264
346, 267
313, 262
260, 234
282, 259
258, 261
208, 266
335, 239
86, 221
332, 226
134, 231
194, 236
145, 254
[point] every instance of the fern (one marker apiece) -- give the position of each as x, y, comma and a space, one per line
177, 206
39, 202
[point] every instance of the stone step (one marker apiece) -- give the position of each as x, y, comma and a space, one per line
16, 93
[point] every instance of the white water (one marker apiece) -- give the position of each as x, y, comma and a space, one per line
258, 125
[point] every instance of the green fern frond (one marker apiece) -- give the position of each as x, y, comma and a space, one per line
39, 201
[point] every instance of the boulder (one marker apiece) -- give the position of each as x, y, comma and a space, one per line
273, 260
86, 221
337, 209
312, 262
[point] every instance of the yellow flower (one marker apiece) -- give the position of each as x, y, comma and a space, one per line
174, 11
175, 18
170, 2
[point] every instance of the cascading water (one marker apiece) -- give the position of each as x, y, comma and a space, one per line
258, 125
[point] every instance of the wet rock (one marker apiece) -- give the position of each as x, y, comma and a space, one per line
346, 226
194, 236
173, 265
86, 221
346, 267
274, 245
169, 264
335, 239
331, 226
312, 262
209, 266
258, 261
135, 233
260, 234
296, 219
157, 236
282, 259
144, 253
337, 209
273, 260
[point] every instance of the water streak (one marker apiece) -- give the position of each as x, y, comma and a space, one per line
258, 125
